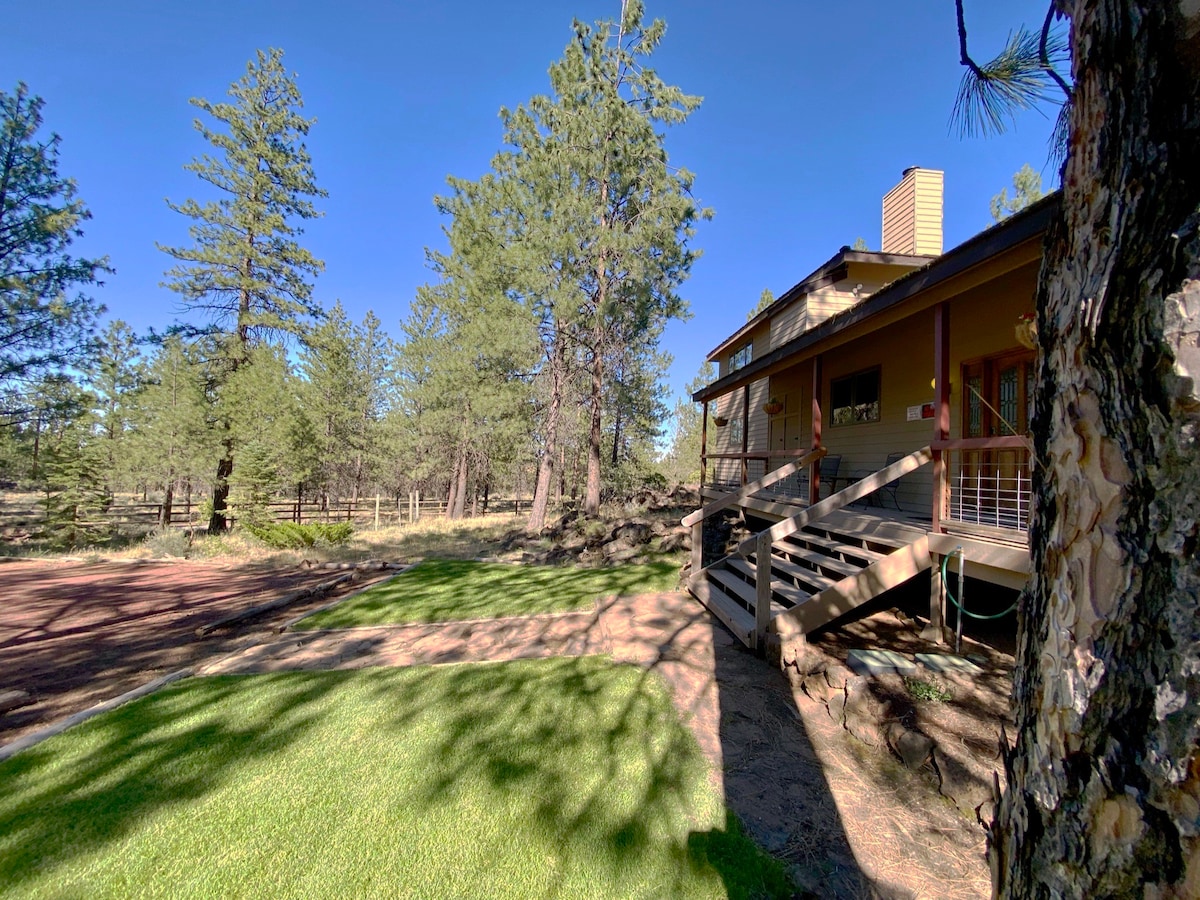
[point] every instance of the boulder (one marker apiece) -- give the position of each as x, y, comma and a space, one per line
913, 748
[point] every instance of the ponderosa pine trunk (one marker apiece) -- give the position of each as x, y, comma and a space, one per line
545, 471
217, 522
456, 505
1103, 785
164, 511
591, 497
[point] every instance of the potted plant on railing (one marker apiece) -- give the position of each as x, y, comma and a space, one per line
1025, 331
720, 421
773, 407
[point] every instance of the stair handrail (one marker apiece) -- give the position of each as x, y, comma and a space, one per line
836, 501
776, 475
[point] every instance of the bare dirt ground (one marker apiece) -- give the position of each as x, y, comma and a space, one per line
847, 817
74, 634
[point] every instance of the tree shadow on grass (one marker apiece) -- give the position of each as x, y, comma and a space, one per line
449, 590
584, 761
162, 751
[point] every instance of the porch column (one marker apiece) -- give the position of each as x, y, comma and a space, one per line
814, 468
935, 630
941, 410
703, 449
745, 433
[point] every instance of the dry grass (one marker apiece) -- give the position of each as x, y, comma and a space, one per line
430, 538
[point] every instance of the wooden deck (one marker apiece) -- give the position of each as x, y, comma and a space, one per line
995, 555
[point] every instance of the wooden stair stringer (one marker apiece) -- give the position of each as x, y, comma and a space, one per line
735, 617
853, 591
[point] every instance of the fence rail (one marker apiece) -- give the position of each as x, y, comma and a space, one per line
25, 511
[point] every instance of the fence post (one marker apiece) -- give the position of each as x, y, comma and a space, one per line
376, 512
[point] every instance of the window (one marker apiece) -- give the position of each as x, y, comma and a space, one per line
855, 398
740, 357
737, 428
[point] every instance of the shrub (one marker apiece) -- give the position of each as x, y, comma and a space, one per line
290, 536
167, 542
929, 691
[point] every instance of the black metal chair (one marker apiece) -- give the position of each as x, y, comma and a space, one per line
892, 488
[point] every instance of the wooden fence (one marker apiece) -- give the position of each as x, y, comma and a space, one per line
25, 512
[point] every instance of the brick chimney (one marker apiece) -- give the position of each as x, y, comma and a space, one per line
912, 214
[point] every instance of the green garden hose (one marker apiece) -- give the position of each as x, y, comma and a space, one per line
954, 600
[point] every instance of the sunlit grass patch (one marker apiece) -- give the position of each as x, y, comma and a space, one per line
565, 777
449, 590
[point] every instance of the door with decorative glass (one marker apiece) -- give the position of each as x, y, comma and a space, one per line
992, 486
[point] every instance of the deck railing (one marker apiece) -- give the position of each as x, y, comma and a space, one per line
988, 482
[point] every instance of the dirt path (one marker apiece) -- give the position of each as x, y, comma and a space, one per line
74, 634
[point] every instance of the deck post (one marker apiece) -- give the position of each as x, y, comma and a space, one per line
814, 470
703, 448
935, 631
745, 433
762, 589
697, 547
941, 417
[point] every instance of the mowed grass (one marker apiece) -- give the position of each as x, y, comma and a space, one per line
540, 778
452, 590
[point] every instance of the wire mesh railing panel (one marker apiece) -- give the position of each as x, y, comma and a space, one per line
990, 487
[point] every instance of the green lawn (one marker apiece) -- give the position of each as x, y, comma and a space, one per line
450, 590
542, 778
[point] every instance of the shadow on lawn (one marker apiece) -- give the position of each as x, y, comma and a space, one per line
530, 731
434, 592
162, 750
744, 721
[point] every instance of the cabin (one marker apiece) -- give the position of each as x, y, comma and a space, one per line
872, 422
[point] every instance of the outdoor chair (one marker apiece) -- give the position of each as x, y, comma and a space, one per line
892, 488
830, 463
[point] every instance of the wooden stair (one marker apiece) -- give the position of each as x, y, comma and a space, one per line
818, 574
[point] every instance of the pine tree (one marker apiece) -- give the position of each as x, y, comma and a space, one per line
44, 326
682, 462
171, 441
1027, 189
603, 218
115, 375
245, 269
765, 299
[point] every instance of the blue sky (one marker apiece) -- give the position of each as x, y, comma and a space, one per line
811, 111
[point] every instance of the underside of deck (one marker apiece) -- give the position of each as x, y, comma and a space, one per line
840, 560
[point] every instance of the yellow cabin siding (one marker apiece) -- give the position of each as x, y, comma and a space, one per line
981, 324
829, 301
788, 324
904, 354
912, 213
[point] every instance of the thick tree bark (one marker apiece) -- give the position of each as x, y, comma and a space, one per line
164, 511
217, 522
1103, 795
456, 505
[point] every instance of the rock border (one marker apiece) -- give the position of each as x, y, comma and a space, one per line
324, 587
290, 624
55, 728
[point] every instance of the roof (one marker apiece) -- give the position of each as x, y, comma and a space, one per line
831, 271
1013, 231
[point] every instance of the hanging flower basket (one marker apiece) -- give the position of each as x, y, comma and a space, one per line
720, 421
1025, 331
772, 407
